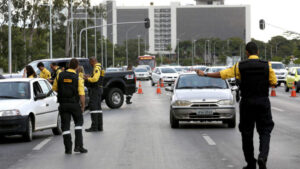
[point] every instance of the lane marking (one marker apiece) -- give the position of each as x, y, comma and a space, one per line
209, 140
42, 144
275, 108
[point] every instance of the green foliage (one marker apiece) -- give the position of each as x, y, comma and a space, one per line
277, 59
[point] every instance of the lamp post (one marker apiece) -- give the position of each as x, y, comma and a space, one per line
127, 42
9, 37
178, 51
139, 36
72, 29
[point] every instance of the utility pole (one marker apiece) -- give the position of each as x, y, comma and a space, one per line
95, 23
105, 53
72, 30
113, 50
139, 53
50, 6
86, 34
178, 51
127, 43
265, 52
9, 37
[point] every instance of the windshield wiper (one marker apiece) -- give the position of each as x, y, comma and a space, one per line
9, 97
187, 87
211, 87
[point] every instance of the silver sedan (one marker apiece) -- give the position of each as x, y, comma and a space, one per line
198, 98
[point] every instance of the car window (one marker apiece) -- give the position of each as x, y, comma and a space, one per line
37, 89
15, 90
45, 88
194, 81
168, 70
140, 70
298, 71
277, 66
88, 69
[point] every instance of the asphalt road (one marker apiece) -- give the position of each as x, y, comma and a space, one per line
139, 136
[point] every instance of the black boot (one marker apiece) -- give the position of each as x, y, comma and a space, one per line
262, 163
80, 150
100, 122
79, 142
128, 98
94, 125
68, 143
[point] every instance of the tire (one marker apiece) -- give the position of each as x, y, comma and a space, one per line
57, 131
27, 136
115, 98
173, 121
231, 123
286, 88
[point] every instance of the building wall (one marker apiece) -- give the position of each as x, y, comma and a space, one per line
208, 22
131, 15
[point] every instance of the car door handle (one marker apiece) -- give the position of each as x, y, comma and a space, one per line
47, 105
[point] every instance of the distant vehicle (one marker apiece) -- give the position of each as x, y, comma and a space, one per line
292, 78
147, 60
27, 106
2, 77
113, 70
166, 74
179, 69
116, 84
214, 69
149, 69
199, 68
141, 73
202, 99
280, 72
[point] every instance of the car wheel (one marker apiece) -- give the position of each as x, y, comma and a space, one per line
27, 136
286, 88
57, 130
173, 121
115, 98
231, 123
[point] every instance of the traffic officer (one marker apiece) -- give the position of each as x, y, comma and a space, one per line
256, 76
45, 74
95, 83
55, 71
70, 90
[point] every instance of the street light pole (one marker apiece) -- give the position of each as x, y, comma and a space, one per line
113, 48
105, 53
178, 51
95, 23
194, 42
139, 45
72, 30
127, 43
50, 6
86, 34
9, 37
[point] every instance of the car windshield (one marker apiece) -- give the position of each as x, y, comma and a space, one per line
14, 90
179, 69
277, 66
140, 70
168, 70
213, 70
198, 82
112, 70
200, 68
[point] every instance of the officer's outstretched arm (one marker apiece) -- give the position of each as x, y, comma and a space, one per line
214, 75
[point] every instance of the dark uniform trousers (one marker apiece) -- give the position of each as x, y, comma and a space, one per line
255, 111
95, 94
66, 111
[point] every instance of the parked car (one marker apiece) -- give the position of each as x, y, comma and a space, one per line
198, 98
141, 73
293, 78
167, 74
115, 85
26, 106
280, 72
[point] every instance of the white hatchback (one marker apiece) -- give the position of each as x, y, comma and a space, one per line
26, 106
167, 74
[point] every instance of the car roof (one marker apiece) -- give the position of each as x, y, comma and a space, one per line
20, 79
277, 62
58, 59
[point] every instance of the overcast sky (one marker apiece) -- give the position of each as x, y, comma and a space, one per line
281, 13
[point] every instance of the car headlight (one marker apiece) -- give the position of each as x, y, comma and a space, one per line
4, 113
164, 77
182, 103
225, 102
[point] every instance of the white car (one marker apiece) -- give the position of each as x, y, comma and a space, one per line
26, 106
214, 69
141, 73
280, 72
167, 74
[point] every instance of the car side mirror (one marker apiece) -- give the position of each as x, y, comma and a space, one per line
169, 89
40, 96
234, 88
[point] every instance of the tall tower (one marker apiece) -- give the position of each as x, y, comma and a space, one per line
210, 2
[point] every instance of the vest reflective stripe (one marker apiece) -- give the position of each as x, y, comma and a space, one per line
254, 78
96, 111
66, 132
78, 127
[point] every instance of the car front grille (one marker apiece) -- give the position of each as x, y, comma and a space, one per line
204, 105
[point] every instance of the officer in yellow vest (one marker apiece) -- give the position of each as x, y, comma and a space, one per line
45, 73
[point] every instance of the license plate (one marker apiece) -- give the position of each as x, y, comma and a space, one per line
204, 112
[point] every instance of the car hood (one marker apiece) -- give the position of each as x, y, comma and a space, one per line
9, 104
170, 74
280, 70
201, 94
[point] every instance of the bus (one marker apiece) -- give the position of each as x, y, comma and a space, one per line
147, 60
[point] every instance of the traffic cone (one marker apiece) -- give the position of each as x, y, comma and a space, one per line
162, 83
140, 90
293, 94
273, 92
158, 90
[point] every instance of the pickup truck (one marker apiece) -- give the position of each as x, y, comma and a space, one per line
116, 84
